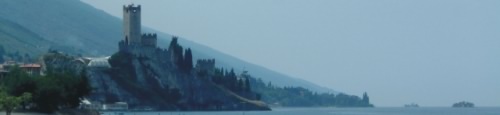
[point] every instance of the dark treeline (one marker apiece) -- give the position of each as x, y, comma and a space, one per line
183, 59
50, 92
301, 97
285, 96
231, 81
14, 56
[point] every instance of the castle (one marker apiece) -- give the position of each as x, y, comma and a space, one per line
134, 41
145, 44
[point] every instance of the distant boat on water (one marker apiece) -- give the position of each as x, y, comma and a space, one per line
412, 105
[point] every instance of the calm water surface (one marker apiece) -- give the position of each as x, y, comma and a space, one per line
338, 111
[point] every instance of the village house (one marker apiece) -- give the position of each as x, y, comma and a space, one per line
115, 106
32, 69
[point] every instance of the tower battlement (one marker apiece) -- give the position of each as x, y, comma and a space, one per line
131, 7
149, 35
149, 39
132, 24
134, 41
205, 64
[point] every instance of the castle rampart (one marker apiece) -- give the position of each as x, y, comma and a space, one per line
149, 39
205, 64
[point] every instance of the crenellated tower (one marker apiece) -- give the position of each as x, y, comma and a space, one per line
133, 40
132, 24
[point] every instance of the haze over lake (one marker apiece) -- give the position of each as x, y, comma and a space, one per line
433, 53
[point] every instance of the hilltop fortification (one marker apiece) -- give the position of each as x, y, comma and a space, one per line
146, 76
134, 41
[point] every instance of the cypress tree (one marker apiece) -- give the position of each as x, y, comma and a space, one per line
179, 57
188, 60
239, 85
173, 43
177, 51
247, 84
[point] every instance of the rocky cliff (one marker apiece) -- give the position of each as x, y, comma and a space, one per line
152, 84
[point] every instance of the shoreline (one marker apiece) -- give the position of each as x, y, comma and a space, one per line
60, 112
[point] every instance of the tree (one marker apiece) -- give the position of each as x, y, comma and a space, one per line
247, 85
60, 90
247, 77
2, 52
239, 85
269, 84
173, 43
49, 94
188, 60
9, 103
232, 81
177, 51
17, 82
83, 87
179, 56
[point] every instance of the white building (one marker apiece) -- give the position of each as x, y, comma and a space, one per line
99, 62
115, 106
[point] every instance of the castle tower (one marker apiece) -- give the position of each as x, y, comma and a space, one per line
134, 41
132, 24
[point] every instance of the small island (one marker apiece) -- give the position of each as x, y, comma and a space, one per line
463, 104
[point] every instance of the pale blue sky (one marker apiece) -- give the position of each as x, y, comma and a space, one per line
431, 52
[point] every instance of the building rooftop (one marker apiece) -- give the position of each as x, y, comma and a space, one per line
99, 62
33, 65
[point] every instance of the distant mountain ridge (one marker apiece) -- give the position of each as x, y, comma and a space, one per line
20, 40
16, 37
83, 29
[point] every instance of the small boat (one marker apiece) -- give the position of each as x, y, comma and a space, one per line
412, 105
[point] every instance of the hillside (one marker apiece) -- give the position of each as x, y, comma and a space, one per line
90, 31
18, 40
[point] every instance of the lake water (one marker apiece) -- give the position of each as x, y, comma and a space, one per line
338, 111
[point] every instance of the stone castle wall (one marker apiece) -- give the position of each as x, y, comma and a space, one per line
149, 40
205, 64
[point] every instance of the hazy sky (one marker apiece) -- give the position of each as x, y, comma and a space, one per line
431, 52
